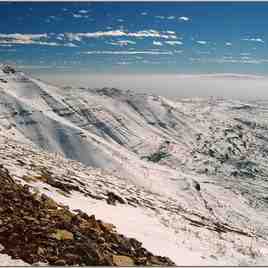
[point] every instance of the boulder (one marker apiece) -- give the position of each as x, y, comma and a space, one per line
120, 260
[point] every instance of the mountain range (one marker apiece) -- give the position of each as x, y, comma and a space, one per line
187, 178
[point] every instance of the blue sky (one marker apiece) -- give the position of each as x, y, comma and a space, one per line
132, 38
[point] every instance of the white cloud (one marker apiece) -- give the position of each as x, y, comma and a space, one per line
18, 38
242, 60
77, 16
163, 17
59, 38
24, 37
120, 20
83, 11
157, 43
123, 63
245, 58
173, 43
122, 43
29, 39
118, 33
178, 51
128, 52
228, 44
170, 32
5, 45
160, 17
184, 18
258, 40
70, 45
144, 13
203, 52
201, 42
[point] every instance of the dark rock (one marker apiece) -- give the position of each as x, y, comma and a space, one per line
113, 198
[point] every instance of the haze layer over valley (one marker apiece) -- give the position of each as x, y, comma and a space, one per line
222, 85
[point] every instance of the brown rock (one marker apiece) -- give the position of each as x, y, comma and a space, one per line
120, 260
40, 251
60, 262
141, 261
72, 258
155, 260
107, 226
49, 202
101, 240
62, 235
52, 259
63, 214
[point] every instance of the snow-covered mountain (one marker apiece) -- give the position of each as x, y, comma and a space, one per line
190, 175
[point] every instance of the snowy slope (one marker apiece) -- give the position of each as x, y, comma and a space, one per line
192, 172
163, 225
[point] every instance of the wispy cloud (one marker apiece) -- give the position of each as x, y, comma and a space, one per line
201, 42
157, 43
222, 60
160, 17
122, 43
144, 13
6, 45
77, 16
173, 43
228, 44
69, 45
128, 52
258, 40
203, 52
29, 39
83, 11
119, 33
165, 17
123, 63
183, 18
24, 37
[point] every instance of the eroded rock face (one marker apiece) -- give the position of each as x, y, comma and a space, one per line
36, 229
8, 69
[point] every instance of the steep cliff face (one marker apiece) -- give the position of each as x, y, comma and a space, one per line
191, 172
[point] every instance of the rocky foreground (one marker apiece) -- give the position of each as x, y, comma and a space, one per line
36, 229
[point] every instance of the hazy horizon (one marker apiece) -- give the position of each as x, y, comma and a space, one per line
225, 85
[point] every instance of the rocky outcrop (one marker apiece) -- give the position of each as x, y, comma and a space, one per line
35, 228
